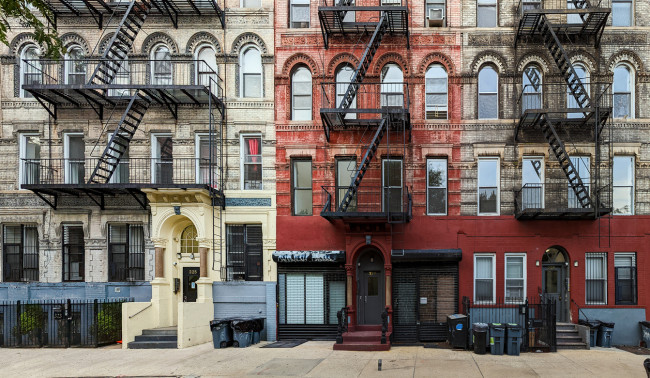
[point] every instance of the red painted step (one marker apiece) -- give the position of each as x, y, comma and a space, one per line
364, 338
363, 346
361, 336
366, 327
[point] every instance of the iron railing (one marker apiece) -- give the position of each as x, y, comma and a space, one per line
371, 3
556, 197
342, 316
371, 97
61, 323
396, 201
567, 7
557, 98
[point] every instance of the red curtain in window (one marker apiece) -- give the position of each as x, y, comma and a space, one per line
254, 149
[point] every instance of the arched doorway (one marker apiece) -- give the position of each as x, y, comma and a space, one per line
555, 280
371, 289
189, 246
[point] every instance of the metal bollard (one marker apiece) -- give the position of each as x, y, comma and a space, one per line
646, 365
379, 364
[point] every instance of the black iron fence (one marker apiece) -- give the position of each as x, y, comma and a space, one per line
390, 201
369, 96
536, 315
61, 323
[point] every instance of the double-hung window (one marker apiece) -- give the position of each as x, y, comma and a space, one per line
251, 72
125, 252
623, 92
161, 66
299, 13
207, 167
75, 66
596, 278
532, 183
515, 277
75, 164
486, 13
484, 279
302, 187
346, 170
30, 69
392, 185
73, 253
30, 159
436, 186
625, 276
622, 12
20, 253
488, 186
301, 94
436, 92
244, 252
162, 158
582, 166
623, 185
251, 157
251, 3
488, 93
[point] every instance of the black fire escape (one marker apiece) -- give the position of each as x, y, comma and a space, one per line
112, 84
569, 107
378, 109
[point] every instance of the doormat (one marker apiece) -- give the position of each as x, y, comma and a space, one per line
285, 344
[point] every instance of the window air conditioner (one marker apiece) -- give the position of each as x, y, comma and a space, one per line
435, 17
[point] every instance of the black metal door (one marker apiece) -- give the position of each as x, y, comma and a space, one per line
370, 288
190, 276
555, 288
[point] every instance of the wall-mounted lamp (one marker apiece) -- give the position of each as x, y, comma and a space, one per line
177, 210
179, 255
575, 263
175, 263
537, 263
192, 256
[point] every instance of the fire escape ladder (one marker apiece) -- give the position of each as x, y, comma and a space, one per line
363, 166
533, 77
576, 184
119, 142
561, 58
120, 44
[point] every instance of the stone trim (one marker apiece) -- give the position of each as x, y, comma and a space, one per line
156, 38
437, 57
69, 39
248, 38
199, 38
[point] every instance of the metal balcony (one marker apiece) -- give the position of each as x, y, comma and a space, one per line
553, 201
391, 205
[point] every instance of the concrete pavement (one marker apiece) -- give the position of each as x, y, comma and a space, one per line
315, 359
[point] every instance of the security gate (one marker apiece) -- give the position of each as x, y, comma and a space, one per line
423, 297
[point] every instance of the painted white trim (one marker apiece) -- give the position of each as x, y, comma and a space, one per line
66, 154
478, 187
242, 153
155, 152
494, 278
505, 277
426, 172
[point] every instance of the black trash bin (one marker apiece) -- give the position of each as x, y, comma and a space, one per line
645, 333
457, 326
593, 330
242, 332
497, 336
221, 333
605, 333
479, 337
514, 335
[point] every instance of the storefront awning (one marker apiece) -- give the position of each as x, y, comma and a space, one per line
403, 255
309, 256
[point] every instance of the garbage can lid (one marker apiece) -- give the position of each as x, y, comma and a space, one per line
512, 325
645, 323
606, 324
497, 325
480, 326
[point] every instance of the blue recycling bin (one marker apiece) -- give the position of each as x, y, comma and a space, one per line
605, 333
514, 335
497, 336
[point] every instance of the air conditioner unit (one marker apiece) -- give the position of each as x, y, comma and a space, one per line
391, 2
435, 17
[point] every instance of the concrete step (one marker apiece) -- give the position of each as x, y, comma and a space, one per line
571, 345
565, 338
152, 345
362, 336
363, 346
156, 338
165, 331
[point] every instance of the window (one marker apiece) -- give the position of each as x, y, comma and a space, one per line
350, 16
488, 93
310, 298
30, 67
623, 185
343, 78
251, 162
189, 244
488, 186
437, 186
125, 252
532, 182
515, 277
596, 278
622, 13
162, 159
392, 86
484, 282
30, 159
301, 95
532, 89
625, 276
436, 92
207, 70
75, 66
572, 103
121, 173
581, 164
435, 12
299, 13
301, 187
623, 95
251, 72
75, 165
244, 252
251, 3
122, 76
73, 253
205, 175
346, 170
161, 65
392, 185
486, 13
20, 253
573, 18
528, 5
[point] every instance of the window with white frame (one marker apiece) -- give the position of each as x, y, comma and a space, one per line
596, 278
206, 166
437, 186
532, 183
392, 185
486, 13
392, 86
582, 165
515, 280
301, 94
435, 12
350, 16
73, 150
301, 187
622, 12
251, 72
299, 13
623, 92
484, 280
532, 88
251, 161
625, 276
30, 159
251, 3
207, 69
346, 169
572, 103
623, 171
488, 93
162, 158
343, 78
488, 186
161, 66
30, 68
573, 18
75, 66
436, 92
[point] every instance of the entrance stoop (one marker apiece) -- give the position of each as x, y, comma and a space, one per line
364, 338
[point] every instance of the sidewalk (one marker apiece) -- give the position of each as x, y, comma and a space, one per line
315, 359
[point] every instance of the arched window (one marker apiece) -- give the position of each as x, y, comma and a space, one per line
30, 68
436, 92
392, 86
532, 88
162, 65
207, 69
623, 91
488, 93
189, 244
251, 72
301, 94
75, 67
343, 78
572, 103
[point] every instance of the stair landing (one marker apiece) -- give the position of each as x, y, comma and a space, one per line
364, 338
